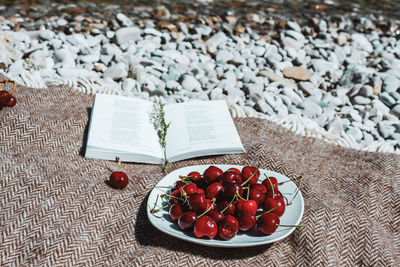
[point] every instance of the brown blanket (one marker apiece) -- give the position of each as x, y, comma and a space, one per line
57, 210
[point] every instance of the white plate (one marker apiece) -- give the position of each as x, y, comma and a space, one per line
292, 215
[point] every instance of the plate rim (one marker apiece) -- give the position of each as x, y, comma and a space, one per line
212, 242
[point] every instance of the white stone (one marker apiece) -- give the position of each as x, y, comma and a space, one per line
124, 20
129, 85
191, 84
126, 35
116, 71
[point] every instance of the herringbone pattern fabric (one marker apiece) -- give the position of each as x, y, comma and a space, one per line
56, 209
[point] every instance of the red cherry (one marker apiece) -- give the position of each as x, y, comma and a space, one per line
4, 97
257, 196
214, 190
234, 170
210, 206
119, 179
197, 202
178, 185
216, 215
189, 189
205, 226
228, 227
229, 208
201, 191
259, 187
211, 174
175, 196
11, 101
194, 176
249, 206
230, 177
267, 184
231, 189
270, 203
268, 223
277, 194
187, 220
175, 212
252, 172
246, 221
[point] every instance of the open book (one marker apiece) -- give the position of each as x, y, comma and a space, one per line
121, 126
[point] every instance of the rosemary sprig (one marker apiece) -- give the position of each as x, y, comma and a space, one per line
158, 119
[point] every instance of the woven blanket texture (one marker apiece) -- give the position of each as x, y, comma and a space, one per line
56, 209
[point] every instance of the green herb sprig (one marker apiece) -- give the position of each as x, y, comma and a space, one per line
158, 119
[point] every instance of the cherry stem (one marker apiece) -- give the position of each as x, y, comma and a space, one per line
248, 193
186, 182
230, 203
167, 195
10, 81
291, 225
159, 186
281, 183
213, 201
273, 191
250, 177
268, 211
155, 204
297, 190
157, 210
119, 163
188, 176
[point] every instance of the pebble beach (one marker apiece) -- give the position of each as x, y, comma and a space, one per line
330, 75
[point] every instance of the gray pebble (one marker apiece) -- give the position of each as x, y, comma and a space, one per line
387, 99
391, 84
361, 100
366, 91
385, 130
310, 109
47, 35
396, 110
355, 132
124, 20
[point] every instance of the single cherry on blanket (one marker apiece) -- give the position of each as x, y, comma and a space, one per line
119, 179
7, 99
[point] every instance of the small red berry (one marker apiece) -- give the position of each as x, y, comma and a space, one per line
119, 179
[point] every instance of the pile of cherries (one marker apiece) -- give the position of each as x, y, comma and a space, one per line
222, 203
7, 99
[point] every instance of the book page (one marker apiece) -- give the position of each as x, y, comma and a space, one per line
122, 125
200, 128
